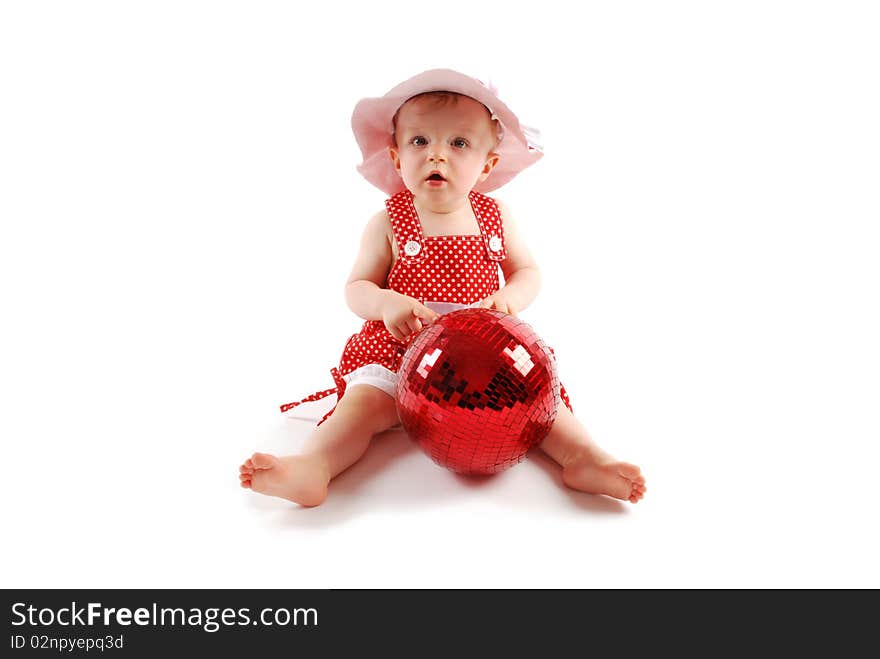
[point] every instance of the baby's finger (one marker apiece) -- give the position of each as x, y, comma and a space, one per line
487, 303
425, 314
414, 325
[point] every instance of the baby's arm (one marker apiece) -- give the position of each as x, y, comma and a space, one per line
365, 293
522, 278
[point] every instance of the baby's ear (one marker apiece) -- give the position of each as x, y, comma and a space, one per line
491, 161
395, 158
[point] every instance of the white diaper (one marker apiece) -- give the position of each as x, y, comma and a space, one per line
445, 307
375, 375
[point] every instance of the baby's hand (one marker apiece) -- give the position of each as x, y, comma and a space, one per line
403, 316
499, 302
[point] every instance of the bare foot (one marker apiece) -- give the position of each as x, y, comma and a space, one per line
298, 478
620, 480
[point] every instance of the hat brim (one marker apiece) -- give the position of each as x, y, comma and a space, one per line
371, 123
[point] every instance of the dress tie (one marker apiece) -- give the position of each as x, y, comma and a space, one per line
339, 389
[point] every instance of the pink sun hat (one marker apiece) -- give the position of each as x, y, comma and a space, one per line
372, 118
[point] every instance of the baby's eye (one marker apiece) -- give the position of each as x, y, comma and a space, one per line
459, 143
418, 140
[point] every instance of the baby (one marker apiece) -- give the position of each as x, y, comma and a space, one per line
435, 144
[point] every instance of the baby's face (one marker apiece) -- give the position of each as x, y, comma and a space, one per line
444, 148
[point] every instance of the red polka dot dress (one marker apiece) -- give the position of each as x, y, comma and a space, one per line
442, 272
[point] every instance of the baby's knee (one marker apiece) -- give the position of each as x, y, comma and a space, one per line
373, 407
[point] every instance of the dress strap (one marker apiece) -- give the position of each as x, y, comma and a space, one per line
406, 226
339, 389
491, 226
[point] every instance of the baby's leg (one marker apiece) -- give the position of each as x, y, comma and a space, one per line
335, 445
587, 467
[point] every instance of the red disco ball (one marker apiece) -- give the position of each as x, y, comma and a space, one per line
476, 390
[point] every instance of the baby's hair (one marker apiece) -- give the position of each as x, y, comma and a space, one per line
439, 99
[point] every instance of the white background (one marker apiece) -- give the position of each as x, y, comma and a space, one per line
180, 209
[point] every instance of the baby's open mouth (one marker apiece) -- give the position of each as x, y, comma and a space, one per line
436, 176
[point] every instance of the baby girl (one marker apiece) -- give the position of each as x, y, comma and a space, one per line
435, 144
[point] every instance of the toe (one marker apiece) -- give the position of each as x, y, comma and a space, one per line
636, 495
263, 460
